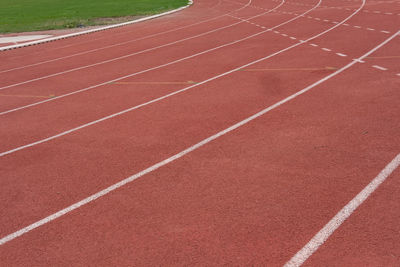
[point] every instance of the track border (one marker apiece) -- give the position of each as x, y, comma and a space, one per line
51, 39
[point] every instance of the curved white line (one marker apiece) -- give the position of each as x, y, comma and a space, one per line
135, 53
125, 42
184, 89
319, 239
157, 67
178, 155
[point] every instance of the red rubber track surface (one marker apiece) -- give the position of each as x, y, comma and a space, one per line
254, 196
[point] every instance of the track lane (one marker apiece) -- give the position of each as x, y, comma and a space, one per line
78, 253
113, 128
40, 118
366, 238
139, 31
87, 61
169, 202
41, 124
142, 127
118, 69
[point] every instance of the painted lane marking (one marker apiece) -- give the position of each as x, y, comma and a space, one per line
315, 45
293, 38
153, 68
181, 90
379, 67
131, 54
326, 49
159, 98
358, 60
385, 31
341, 55
320, 238
187, 151
126, 42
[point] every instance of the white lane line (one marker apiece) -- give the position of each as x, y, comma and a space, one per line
379, 67
315, 45
133, 54
182, 153
284, 34
326, 49
341, 55
358, 27
321, 237
370, 29
126, 42
186, 88
150, 69
151, 101
398, 74
385, 31
293, 38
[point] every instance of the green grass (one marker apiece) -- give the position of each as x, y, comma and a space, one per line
33, 15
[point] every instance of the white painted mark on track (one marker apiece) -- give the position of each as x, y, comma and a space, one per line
132, 54
321, 237
184, 89
379, 67
184, 152
154, 68
126, 42
149, 102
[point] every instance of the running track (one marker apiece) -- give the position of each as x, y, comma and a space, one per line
234, 132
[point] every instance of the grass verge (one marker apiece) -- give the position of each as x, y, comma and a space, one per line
34, 15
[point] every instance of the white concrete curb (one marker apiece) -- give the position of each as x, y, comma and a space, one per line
51, 39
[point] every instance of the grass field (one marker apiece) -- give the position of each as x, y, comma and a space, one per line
32, 15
